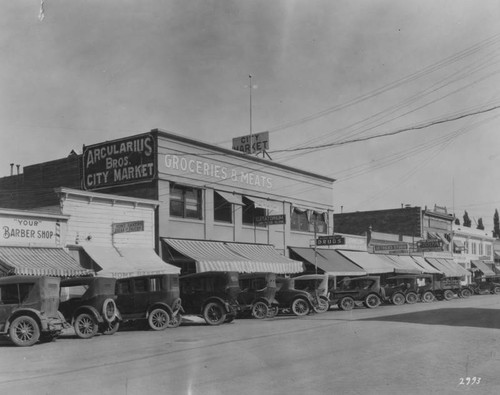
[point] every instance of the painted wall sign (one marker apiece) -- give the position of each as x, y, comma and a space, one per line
126, 227
119, 162
429, 245
23, 230
330, 240
278, 219
251, 144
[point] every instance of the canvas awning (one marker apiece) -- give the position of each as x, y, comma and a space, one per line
40, 261
265, 204
426, 267
330, 261
481, 265
448, 267
230, 198
371, 263
128, 262
405, 264
238, 257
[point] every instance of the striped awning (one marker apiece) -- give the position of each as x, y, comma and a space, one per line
425, 265
371, 263
404, 264
448, 267
128, 262
483, 267
40, 261
329, 260
238, 257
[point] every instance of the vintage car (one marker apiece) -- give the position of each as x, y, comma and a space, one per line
486, 285
211, 295
317, 286
447, 287
88, 303
350, 292
150, 298
257, 294
29, 309
408, 288
290, 299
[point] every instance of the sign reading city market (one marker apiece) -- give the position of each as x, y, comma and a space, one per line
330, 240
271, 219
119, 162
252, 144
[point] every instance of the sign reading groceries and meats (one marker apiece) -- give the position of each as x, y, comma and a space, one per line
27, 230
119, 162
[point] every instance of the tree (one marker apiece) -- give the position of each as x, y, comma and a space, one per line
480, 225
496, 225
467, 222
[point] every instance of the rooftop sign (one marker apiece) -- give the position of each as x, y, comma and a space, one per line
252, 143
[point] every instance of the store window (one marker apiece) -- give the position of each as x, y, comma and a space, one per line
185, 202
250, 212
223, 210
305, 220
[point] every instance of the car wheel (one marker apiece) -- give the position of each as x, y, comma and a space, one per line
260, 310
85, 326
428, 297
448, 294
322, 305
465, 293
175, 320
398, 299
372, 301
496, 290
411, 298
158, 319
346, 303
24, 331
109, 310
214, 313
110, 328
300, 307
272, 311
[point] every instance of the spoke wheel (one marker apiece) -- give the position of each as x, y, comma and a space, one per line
448, 294
175, 320
260, 310
272, 312
158, 319
322, 305
214, 313
85, 326
346, 303
372, 301
411, 298
465, 293
398, 299
428, 297
300, 307
24, 331
110, 328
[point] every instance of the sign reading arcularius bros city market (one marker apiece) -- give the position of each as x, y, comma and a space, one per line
252, 144
119, 162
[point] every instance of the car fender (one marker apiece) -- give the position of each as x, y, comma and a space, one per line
217, 300
162, 306
40, 319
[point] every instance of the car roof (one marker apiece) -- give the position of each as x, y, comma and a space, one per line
20, 279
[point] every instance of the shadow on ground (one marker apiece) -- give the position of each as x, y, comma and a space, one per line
473, 317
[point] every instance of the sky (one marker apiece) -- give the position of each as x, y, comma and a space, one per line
396, 100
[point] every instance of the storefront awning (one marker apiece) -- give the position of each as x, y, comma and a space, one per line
265, 204
330, 261
426, 267
371, 263
238, 257
448, 267
481, 265
230, 198
404, 264
128, 262
38, 261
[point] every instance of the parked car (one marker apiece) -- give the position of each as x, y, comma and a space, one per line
257, 296
447, 287
211, 295
486, 285
154, 299
29, 309
350, 292
88, 304
317, 286
408, 288
290, 299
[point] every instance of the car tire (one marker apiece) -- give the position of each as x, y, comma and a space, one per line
85, 326
398, 299
109, 310
158, 319
273, 311
448, 294
496, 290
214, 313
411, 298
24, 331
346, 303
372, 301
110, 328
428, 297
465, 293
300, 307
322, 306
175, 320
260, 310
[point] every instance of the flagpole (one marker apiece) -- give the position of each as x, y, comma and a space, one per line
251, 131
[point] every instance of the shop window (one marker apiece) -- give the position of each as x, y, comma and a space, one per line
185, 202
223, 210
250, 212
305, 221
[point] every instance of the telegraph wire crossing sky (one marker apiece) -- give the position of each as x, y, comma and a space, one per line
397, 102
